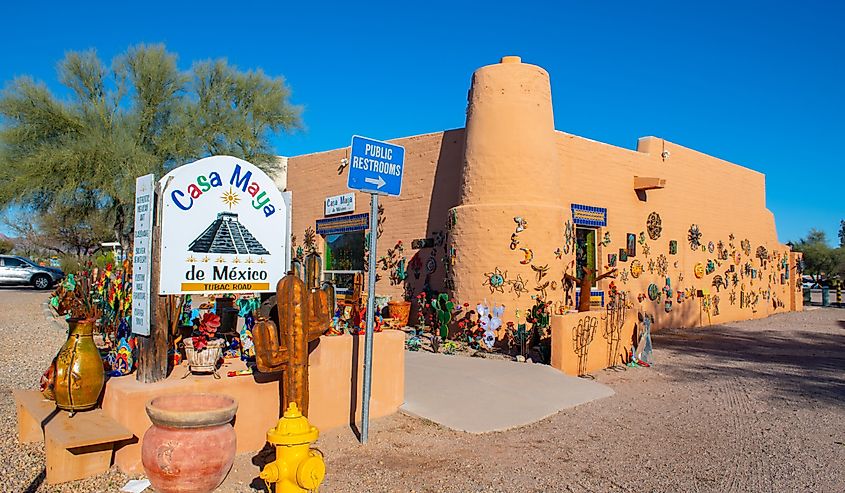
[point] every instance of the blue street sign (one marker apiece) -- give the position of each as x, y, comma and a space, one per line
375, 166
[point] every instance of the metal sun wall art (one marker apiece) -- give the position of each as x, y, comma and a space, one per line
636, 269
495, 280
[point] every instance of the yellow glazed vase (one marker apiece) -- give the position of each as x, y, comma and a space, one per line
79, 369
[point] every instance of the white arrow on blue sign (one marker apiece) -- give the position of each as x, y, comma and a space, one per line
376, 166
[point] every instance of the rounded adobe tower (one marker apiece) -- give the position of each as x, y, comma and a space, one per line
510, 170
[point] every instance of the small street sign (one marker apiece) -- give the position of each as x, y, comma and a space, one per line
376, 166
142, 254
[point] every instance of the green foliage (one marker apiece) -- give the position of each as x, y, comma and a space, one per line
842, 233
6, 246
443, 308
820, 260
76, 159
70, 263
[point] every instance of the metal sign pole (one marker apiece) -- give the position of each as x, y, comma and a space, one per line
371, 307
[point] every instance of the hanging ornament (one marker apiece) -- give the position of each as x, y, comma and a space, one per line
653, 292
528, 256
699, 270
654, 226
636, 269
694, 237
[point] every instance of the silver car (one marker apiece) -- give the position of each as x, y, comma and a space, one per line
15, 271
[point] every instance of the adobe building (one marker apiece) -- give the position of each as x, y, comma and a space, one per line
503, 209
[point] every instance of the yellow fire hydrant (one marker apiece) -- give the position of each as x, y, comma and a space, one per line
297, 467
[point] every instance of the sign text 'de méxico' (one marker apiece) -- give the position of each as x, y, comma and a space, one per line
224, 227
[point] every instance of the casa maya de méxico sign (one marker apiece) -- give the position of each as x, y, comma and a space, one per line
224, 228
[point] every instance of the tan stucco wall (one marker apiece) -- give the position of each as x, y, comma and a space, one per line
334, 392
429, 189
511, 162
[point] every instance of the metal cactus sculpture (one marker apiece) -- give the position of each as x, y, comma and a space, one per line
303, 314
443, 308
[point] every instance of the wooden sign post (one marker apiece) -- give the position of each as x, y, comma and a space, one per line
152, 349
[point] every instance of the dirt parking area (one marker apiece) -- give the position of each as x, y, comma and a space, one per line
755, 406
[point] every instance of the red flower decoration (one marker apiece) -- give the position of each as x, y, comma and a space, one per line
209, 324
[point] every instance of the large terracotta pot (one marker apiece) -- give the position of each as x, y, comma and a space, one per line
79, 374
191, 445
399, 311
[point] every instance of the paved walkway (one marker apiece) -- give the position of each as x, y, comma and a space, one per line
480, 395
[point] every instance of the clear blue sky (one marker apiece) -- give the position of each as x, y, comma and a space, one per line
760, 84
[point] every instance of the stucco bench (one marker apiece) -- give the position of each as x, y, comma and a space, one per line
76, 447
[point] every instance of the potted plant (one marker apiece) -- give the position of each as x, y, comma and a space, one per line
400, 311
76, 377
202, 349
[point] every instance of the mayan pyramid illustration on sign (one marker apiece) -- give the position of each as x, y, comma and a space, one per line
227, 235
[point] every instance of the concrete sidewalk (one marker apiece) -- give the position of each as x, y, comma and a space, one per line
479, 395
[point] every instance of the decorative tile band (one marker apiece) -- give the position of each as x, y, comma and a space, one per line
343, 224
586, 215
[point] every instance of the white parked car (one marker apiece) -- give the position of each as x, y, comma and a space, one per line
17, 271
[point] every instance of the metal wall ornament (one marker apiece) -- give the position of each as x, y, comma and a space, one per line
653, 292
651, 266
654, 225
611, 260
722, 251
541, 271
632, 245
662, 265
710, 267
568, 237
623, 276
528, 256
616, 311
694, 237
518, 286
711, 247
673, 247
541, 288
606, 239
495, 280
636, 269
582, 337
623, 255
746, 247
763, 255
521, 224
698, 270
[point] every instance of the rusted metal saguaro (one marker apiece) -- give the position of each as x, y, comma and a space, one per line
304, 313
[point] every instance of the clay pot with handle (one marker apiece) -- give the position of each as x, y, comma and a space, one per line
78, 376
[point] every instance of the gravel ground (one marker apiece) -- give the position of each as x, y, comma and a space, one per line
755, 406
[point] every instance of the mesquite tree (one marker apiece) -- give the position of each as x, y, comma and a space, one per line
79, 154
